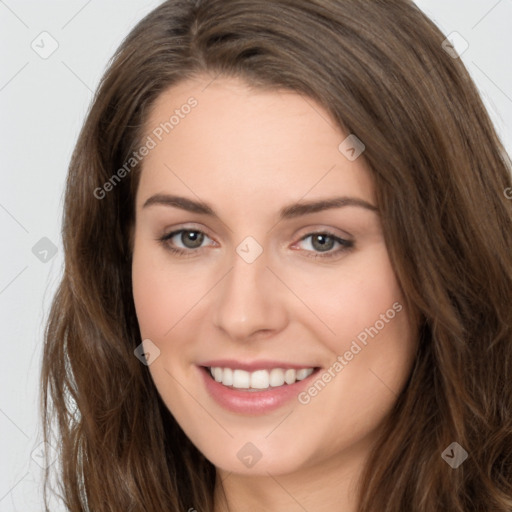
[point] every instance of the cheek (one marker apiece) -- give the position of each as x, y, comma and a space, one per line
355, 299
149, 299
161, 293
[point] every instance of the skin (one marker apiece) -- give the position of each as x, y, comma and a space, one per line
248, 153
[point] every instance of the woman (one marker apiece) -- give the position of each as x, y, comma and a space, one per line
334, 331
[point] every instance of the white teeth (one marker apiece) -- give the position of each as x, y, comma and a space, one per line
241, 379
227, 377
303, 373
217, 374
276, 377
259, 379
289, 376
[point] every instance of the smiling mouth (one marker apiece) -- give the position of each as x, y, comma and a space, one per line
258, 380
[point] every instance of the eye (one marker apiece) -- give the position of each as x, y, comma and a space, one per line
191, 239
324, 242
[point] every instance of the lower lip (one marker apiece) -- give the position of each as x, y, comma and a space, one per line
253, 402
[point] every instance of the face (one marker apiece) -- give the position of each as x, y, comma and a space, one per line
294, 309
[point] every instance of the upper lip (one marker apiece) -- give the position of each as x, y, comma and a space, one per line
253, 365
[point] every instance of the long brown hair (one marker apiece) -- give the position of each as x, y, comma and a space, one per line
440, 171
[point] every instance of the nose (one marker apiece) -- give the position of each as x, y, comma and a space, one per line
250, 301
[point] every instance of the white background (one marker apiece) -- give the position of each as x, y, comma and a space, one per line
43, 103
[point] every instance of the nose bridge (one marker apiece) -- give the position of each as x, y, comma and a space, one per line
248, 299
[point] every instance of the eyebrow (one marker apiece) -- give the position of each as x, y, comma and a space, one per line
288, 212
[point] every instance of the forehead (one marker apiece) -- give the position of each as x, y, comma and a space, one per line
226, 137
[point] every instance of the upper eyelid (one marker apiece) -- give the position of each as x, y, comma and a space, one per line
173, 232
345, 235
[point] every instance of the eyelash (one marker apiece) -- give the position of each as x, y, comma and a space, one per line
345, 244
